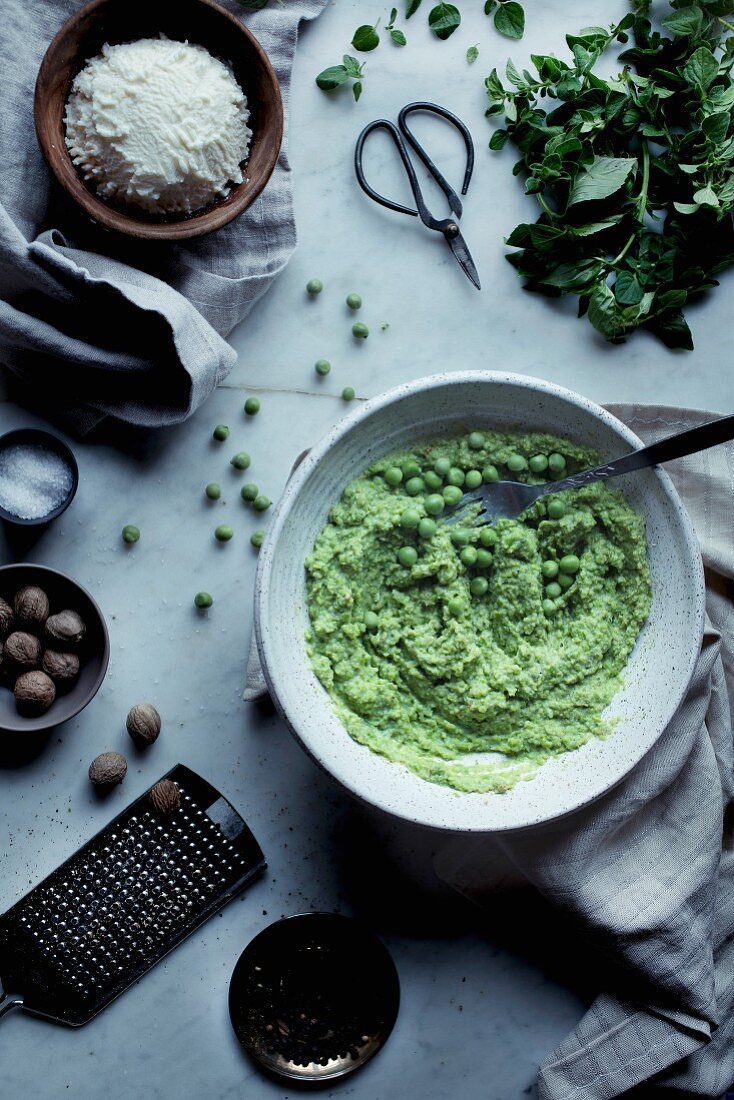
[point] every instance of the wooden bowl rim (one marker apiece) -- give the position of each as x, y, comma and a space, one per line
196, 225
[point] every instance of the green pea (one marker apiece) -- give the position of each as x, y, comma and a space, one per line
434, 504
252, 406
411, 468
538, 464
487, 535
570, 564
407, 555
240, 461
427, 528
130, 533
442, 466
371, 620
322, 367
360, 330
476, 440
221, 432
549, 608
354, 301
549, 569
455, 476
213, 491
516, 463
452, 494
478, 586
261, 503
553, 590
460, 536
565, 581
432, 480
455, 606
556, 463
223, 533
393, 475
348, 393
556, 509
256, 539
314, 286
410, 519
484, 558
249, 492
468, 556
473, 479
414, 486
203, 600
490, 473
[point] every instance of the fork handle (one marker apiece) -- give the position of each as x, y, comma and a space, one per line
673, 446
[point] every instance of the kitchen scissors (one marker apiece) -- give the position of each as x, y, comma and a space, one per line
401, 134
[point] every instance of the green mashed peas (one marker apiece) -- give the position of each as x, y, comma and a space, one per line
436, 645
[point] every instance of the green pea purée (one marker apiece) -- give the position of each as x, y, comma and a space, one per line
437, 643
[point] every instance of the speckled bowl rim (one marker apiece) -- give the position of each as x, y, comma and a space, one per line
280, 516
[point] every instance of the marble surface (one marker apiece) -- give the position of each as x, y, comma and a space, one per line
485, 997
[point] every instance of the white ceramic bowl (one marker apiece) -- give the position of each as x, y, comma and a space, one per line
659, 668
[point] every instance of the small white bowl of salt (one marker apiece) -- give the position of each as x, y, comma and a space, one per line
38, 476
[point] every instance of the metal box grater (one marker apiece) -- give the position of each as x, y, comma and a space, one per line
117, 906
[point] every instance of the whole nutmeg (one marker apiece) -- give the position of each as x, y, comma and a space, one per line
22, 650
7, 618
108, 769
31, 606
34, 692
143, 724
165, 797
61, 667
65, 629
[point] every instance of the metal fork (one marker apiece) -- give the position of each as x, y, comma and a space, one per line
509, 499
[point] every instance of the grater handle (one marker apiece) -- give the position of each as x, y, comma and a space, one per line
9, 1001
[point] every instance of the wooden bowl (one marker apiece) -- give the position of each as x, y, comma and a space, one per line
201, 22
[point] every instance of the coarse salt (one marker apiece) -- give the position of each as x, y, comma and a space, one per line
34, 480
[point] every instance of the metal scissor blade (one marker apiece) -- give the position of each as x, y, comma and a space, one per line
457, 245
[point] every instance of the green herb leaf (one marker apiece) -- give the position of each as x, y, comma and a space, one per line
603, 312
498, 139
357, 90
472, 54
627, 289
411, 8
673, 330
365, 39
686, 21
701, 69
393, 17
509, 19
601, 179
332, 78
444, 19
489, 5
353, 67
706, 196
398, 37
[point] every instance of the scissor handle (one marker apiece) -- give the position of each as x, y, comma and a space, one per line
392, 130
436, 109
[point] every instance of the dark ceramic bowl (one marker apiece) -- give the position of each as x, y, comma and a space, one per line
94, 651
52, 443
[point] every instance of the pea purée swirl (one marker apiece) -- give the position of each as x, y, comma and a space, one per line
436, 643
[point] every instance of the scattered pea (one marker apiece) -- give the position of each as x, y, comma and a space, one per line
322, 367
553, 590
556, 509
203, 600
427, 528
252, 406
410, 519
476, 440
565, 581
549, 569
517, 463
538, 464
249, 492
407, 555
432, 480
348, 393
414, 486
130, 533
371, 620
468, 556
455, 476
223, 533
393, 475
213, 491
261, 503
473, 479
240, 461
484, 558
256, 539
487, 535
354, 301
460, 536
478, 586
411, 468
549, 608
434, 504
360, 330
442, 466
452, 494
221, 432
490, 473
556, 463
455, 605
570, 564
314, 286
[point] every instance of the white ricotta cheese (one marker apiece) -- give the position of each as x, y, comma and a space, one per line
158, 123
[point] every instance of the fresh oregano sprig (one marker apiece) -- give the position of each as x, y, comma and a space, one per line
364, 40
634, 174
444, 19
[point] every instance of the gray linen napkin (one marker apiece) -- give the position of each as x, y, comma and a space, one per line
100, 325
644, 871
